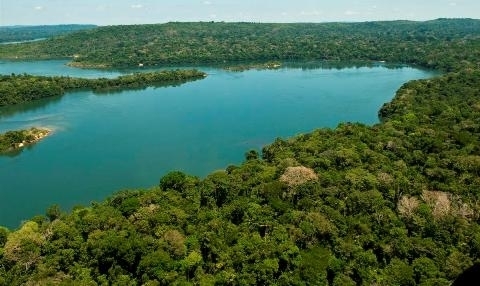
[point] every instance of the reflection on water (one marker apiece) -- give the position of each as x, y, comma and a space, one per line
8, 111
338, 65
139, 88
37, 105
15, 152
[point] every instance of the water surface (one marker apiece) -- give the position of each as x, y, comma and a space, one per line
105, 143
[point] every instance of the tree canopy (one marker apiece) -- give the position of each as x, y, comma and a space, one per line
441, 44
9, 34
396, 203
15, 89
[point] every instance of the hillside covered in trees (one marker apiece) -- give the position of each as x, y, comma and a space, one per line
397, 203
29, 33
420, 43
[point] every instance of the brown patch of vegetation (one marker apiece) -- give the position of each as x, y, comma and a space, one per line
407, 206
176, 241
385, 179
439, 202
294, 176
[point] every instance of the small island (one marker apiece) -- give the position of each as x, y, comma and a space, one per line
17, 139
249, 66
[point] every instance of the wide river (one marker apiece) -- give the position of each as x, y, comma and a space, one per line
103, 143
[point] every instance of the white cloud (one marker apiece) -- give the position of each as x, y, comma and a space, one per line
452, 4
101, 7
350, 13
137, 6
207, 3
311, 13
38, 8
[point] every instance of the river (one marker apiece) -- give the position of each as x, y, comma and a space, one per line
104, 143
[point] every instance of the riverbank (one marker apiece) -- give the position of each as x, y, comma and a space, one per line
16, 89
258, 66
17, 139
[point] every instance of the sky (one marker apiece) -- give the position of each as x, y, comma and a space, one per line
116, 12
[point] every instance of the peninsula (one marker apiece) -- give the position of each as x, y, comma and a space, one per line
15, 89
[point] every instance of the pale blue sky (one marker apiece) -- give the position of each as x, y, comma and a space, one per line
113, 12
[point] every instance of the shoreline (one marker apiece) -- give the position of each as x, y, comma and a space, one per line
16, 140
38, 133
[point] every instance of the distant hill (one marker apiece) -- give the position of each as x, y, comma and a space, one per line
179, 43
29, 33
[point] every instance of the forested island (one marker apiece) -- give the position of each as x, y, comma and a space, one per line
14, 140
15, 89
396, 203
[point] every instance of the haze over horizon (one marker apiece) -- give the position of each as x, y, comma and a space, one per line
49, 12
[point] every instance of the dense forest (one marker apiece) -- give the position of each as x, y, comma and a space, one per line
29, 33
15, 89
419, 43
397, 203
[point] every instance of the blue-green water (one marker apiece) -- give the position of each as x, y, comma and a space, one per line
105, 143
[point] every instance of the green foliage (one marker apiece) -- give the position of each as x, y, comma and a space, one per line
53, 212
427, 44
251, 155
13, 140
23, 246
396, 203
3, 236
175, 180
15, 89
399, 273
313, 266
28, 33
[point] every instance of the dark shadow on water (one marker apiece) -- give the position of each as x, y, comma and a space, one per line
13, 153
16, 152
7, 111
260, 64
309, 65
108, 91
